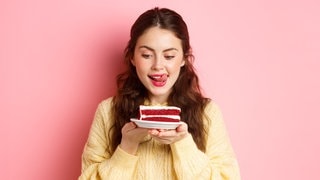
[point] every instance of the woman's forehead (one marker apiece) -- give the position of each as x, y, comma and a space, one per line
157, 38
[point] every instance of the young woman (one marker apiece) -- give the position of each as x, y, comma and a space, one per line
159, 72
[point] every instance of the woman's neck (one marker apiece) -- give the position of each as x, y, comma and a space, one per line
156, 102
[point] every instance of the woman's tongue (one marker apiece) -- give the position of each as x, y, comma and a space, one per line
160, 78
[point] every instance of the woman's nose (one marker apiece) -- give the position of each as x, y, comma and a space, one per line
158, 63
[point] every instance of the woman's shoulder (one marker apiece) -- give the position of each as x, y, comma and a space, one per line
107, 101
212, 106
105, 104
213, 111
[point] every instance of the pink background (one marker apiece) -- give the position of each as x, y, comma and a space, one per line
259, 60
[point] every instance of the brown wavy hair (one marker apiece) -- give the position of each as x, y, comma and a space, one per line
186, 92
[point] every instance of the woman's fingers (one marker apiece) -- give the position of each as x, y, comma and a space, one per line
128, 126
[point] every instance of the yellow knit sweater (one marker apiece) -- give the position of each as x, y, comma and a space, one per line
181, 160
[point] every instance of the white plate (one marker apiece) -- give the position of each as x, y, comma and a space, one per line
155, 124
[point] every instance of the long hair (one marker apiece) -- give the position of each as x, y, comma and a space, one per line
186, 92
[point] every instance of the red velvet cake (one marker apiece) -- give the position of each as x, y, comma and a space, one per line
159, 113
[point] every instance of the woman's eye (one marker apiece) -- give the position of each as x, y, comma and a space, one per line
146, 56
169, 57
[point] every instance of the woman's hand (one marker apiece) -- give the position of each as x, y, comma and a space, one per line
131, 137
170, 136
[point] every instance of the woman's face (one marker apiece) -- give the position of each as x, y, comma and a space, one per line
158, 57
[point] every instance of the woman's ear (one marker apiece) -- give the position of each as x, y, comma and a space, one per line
183, 62
187, 58
132, 62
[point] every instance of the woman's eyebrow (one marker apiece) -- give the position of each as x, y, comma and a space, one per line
170, 49
147, 47
151, 49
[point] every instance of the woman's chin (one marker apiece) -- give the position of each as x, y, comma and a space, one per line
157, 92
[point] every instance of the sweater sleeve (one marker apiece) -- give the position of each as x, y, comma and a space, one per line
97, 163
217, 163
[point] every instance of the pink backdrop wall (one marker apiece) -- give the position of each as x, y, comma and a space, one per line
260, 60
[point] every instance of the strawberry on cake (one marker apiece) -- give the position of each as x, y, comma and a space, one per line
159, 113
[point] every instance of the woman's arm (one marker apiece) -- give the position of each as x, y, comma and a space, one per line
97, 163
219, 161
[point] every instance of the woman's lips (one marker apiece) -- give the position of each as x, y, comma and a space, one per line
159, 80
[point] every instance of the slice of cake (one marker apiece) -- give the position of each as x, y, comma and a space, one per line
159, 113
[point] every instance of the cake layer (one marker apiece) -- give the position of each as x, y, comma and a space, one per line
159, 113
160, 119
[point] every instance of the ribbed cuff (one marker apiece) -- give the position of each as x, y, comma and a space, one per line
124, 159
184, 147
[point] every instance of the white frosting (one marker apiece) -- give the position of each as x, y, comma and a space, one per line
166, 116
142, 107
144, 116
